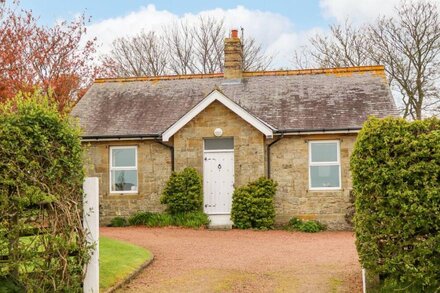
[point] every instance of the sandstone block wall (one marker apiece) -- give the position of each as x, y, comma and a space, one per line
154, 169
249, 148
289, 167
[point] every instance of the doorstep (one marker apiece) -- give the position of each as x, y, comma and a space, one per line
220, 222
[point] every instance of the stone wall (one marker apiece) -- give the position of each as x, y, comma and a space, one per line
289, 167
154, 169
248, 142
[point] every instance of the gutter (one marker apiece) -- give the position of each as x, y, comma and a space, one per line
318, 131
268, 153
87, 138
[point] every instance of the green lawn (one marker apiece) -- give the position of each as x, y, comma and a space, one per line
118, 260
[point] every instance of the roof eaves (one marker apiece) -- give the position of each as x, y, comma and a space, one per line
98, 137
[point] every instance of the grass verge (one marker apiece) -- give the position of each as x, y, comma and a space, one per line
118, 260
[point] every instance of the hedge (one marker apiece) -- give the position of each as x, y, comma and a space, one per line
396, 181
41, 177
252, 205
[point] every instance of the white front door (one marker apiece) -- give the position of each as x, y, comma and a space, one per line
218, 181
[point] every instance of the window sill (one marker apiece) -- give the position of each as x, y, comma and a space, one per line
325, 189
124, 194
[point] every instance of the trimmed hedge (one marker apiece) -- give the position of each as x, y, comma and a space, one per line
252, 205
396, 181
183, 192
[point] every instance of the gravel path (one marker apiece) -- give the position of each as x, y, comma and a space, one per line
243, 261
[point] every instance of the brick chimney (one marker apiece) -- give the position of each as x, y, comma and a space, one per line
233, 68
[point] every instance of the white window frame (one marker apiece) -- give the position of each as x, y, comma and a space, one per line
125, 169
335, 163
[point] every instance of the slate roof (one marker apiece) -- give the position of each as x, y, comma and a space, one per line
307, 100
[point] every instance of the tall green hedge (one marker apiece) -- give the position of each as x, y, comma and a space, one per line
396, 180
253, 206
41, 176
183, 192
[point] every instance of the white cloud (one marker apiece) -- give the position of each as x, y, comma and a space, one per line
275, 31
357, 10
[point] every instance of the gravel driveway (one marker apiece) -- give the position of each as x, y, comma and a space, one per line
243, 261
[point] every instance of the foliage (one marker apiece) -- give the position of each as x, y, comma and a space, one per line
187, 220
151, 219
191, 220
252, 205
183, 192
349, 215
310, 226
396, 180
41, 177
117, 260
118, 222
55, 59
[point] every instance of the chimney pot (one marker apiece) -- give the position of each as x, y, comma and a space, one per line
234, 33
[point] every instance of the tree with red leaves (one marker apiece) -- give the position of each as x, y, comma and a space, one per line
56, 60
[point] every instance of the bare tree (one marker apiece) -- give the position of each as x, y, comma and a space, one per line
254, 58
208, 46
182, 48
143, 54
179, 41
408, 44
347, 46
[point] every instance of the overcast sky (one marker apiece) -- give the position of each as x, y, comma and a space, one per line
280, 25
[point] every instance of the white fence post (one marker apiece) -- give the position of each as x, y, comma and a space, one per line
91, 225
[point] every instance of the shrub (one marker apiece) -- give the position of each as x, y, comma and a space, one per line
310, 226
396, 180
252, 205
118, 222
151, 219
188, 220
41, 177
349, 215
191, 220
183, 192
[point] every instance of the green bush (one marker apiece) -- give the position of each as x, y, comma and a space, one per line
183, 192
191, 220
187, 220
396, 180
252, 205
310, 226
118, 222
151, 219
41, 177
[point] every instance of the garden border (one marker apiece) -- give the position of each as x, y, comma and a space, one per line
130, 277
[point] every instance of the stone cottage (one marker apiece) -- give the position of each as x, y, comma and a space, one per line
295, 126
